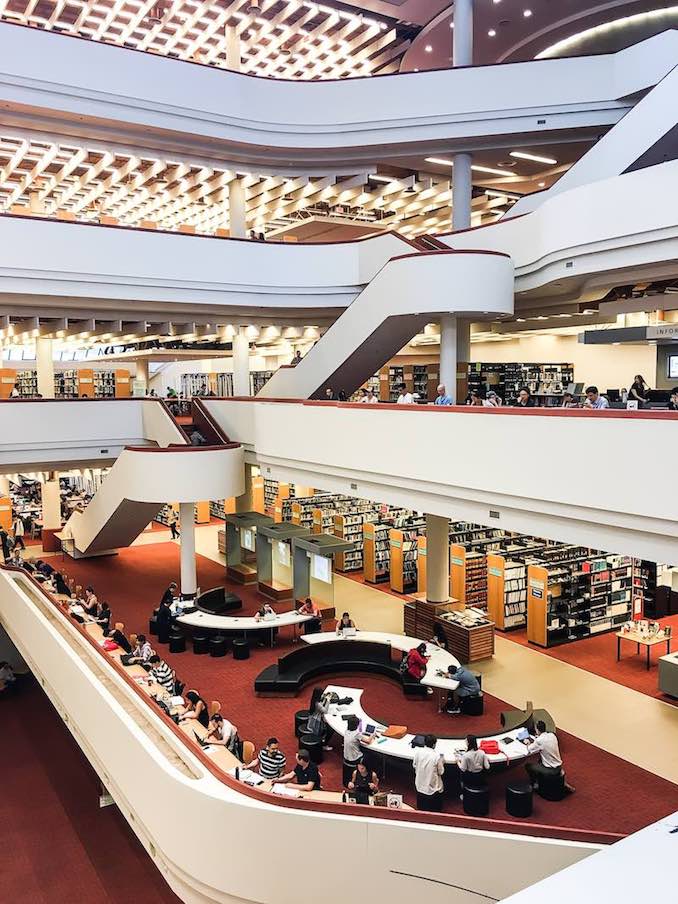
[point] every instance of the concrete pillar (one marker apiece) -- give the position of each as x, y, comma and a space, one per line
189, 576
51, 503
141, 377
45, 367
237, 209
241, 363
448, 355
233, 50
437, 559
462, 191
245, 502
462, 35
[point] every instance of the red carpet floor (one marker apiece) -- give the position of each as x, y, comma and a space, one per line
612, 795
58, 846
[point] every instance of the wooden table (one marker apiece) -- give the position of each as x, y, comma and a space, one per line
642, 640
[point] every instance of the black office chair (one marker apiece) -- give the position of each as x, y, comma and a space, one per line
217, 646
476, 801
519, 800
153, 626
551, 787
201, 644
301, 718
163, 634
177, 643
314, 745
472, 706
241, 648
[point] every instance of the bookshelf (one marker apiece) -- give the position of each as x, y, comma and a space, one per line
28, 382
258, 379
547, 382
578, 596
403, 557
350, 526
376, 552
468, 576
222, 507
201, 513
506, 592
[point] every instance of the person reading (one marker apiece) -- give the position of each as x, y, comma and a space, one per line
345, 623
545, 743
473, 764
364, 781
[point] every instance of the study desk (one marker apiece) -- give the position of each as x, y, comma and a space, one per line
642, 640
440, 660
241, 624
401, 748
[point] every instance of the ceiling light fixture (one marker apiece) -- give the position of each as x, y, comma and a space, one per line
561, 47
377, 178
428, 48
523, 155
527, 13
492, 33
542, 184
440, 161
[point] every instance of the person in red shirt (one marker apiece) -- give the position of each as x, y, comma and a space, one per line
416, 662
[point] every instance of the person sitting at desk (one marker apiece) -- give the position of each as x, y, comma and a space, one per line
429, 767
345, 622
263, 611
363, 781
545, 743
160, 673
308, 607
143, 651
595, 400
117, 635
417, 661
468, 686
77, 611
352, 751
91, 603
673, 400
44, 568
164, 614
473, 764
223, 733
196, 708
439, 638
271, 761
305, 774
61, 585
7, 676
103, 617
16, 561
569, 401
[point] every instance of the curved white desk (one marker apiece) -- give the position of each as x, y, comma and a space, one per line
401, 747
240, 622
439, 660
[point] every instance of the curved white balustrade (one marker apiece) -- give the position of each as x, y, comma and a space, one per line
142, 480
325, 126
408, 293
205, 835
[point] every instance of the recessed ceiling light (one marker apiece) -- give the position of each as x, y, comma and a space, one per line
428, 48
496, 1
492, 33
527, 13
451, 24
523, 155
416, 70
542, 184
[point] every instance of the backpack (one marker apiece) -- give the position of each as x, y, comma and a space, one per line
403, 664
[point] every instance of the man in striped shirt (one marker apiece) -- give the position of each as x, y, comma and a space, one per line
271, 760
161, 673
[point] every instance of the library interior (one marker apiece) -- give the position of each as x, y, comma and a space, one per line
339, 395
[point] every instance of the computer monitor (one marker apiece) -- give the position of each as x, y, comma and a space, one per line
613, 395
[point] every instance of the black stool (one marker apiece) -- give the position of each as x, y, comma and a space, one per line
177, 643
472, 706
301, 718
201, 644
163, 634
217, 646
153, 626
519, 800
478, 677
476, 801
241, 648
551, 787
314, 745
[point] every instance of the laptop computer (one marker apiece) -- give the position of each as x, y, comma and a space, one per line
349, 632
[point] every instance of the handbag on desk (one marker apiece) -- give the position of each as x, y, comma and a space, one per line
489, 746
395, 731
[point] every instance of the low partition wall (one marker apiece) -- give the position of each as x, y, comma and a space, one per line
183, 808
555, 473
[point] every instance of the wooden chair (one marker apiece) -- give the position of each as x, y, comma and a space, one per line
247, 751
133, 640
213, 707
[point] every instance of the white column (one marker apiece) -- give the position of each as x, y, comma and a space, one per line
141, 376
4, 486
462, 35
244, 503
233, 51
51, 503
237, 209
437, 559
462, 191
45, 367
241, 363
448, 355
189, 577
